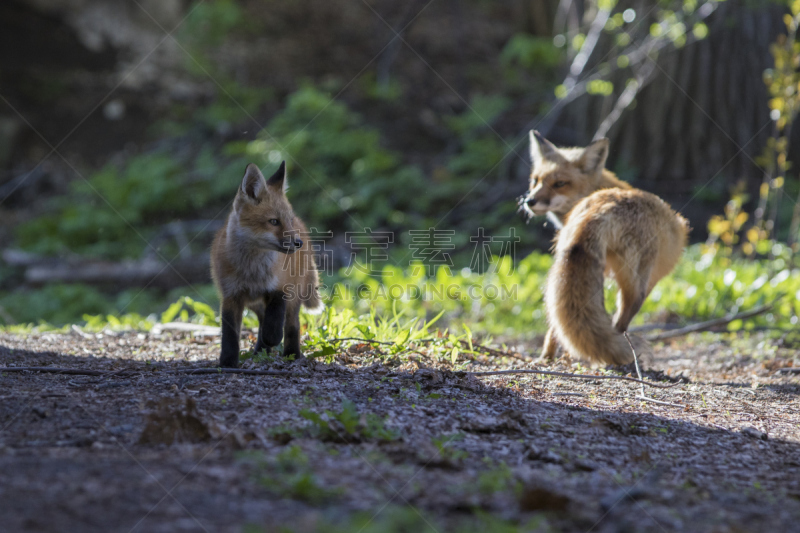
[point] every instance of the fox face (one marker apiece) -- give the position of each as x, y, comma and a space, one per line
262, 217
561, 177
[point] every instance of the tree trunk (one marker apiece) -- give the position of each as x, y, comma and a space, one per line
698, 126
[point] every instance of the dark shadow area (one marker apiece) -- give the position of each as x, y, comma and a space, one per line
72, 444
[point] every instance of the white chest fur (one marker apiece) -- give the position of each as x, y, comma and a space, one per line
254, 267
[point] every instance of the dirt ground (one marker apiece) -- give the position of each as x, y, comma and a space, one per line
409, 447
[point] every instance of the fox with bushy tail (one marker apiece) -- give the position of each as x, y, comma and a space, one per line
260, 261
607, 228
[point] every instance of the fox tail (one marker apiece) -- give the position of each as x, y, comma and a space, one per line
574, 299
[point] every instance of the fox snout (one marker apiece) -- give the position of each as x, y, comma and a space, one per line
291, 244
536, 202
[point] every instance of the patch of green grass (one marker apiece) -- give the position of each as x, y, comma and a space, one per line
290, 475
348, 425
447, 451
442, 313
498, 478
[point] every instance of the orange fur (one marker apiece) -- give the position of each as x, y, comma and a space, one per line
607, 228
256, 263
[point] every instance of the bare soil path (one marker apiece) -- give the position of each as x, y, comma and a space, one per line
403, 448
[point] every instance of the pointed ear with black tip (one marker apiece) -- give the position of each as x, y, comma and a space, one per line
278, 180
593, 160
253, 184
543, 150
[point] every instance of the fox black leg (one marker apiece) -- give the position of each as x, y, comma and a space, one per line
291, 342
259, 311
231, 326
270, 324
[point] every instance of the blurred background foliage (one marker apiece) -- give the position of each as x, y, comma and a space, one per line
126, 148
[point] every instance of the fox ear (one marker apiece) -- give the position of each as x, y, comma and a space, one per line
253, 184
594, 156
278, 180
543, 150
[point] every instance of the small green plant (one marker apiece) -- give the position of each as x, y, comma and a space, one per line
447, 452
289, 474
498, 478
348, 425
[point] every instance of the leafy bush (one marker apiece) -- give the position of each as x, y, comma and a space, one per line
340, 175
116, 211
530, 51
404, 306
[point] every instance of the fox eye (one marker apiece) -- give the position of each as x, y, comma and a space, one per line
274, 222
559, 184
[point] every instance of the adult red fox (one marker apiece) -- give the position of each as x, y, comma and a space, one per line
607, 227
259, 261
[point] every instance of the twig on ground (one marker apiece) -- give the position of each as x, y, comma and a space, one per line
568, 375
650, 327
365, 341
245, 371
214, 370
82, 333
186, 326
54, 370
703, 326
635, 359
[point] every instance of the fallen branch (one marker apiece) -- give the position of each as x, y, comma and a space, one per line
497, 353
245, 371
568, 375
186, 326
54, 370
204, 370
635, 359
144, 272
365, 341
485, 349
650, 327
703, 326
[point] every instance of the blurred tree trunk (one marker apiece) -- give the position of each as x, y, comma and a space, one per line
538, 16
703, 119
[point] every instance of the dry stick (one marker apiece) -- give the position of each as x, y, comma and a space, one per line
568, 375
639, 373
497, 353
365, 341
207, 370
54, 370
488, 350
702, 326
635, 359
245, 371
81, 372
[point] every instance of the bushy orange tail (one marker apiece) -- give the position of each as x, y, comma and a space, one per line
575, 302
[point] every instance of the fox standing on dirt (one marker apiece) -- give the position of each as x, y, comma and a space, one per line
606, 227
259, 261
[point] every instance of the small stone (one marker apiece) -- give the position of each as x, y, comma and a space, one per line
754, 433
542, 499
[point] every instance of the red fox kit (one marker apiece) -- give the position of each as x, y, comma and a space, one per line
607, 228
259, 261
